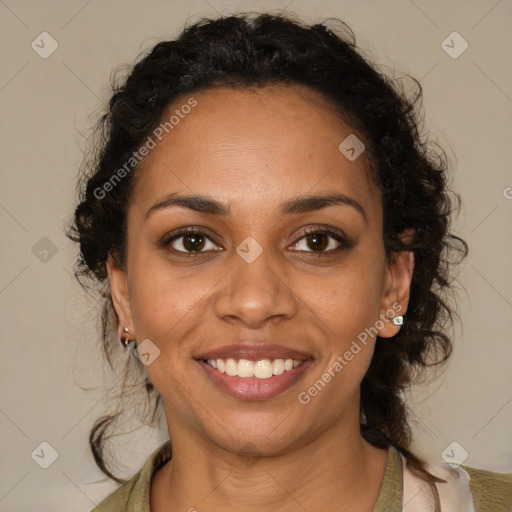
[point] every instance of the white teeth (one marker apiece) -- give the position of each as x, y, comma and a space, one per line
262, 369
278, 366
231, 367
245, 368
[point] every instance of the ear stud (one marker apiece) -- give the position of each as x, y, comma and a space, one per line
398, 320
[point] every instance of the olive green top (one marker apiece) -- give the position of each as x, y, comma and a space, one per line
491, 492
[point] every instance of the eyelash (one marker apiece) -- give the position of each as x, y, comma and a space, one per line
344, 242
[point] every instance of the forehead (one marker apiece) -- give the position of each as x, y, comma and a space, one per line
252, 148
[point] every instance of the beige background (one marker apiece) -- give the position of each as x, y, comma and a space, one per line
49, 342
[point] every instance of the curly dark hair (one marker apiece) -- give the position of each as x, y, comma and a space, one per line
244, 51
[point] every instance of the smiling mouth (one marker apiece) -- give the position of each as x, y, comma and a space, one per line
260, 369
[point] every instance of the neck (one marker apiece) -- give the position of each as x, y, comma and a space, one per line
338, 471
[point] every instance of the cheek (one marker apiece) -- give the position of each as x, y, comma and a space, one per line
349, 299
168, 306
347, 308
348, 305
166, 302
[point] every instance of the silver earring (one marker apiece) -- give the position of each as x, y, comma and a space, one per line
124, 339
398, 320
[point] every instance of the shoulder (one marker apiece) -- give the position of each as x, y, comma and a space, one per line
134, 494
117, 500
474, 490
464, 489
490, 490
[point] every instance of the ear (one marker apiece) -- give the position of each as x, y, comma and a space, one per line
397, 287
120, 295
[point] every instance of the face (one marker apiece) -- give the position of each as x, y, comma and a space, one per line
265, 275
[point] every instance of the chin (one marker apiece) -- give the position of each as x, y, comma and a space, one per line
256, 435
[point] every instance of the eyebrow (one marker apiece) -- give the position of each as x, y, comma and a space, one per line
299, 204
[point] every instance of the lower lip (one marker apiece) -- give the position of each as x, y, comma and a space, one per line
252, 388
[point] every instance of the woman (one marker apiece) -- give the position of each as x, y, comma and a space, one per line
272, 233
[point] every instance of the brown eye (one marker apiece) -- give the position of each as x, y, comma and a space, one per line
318, 241
193, 242
321, 242
189, 241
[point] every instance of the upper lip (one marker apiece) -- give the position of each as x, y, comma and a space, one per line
254, 352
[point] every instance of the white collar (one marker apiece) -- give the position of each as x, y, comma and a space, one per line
455, 495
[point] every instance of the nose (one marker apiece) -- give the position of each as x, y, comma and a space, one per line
255, 292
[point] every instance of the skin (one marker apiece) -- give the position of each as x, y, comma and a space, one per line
253, 150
